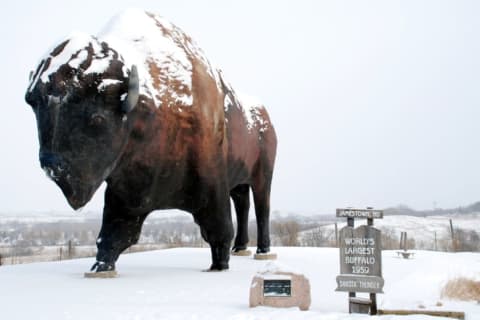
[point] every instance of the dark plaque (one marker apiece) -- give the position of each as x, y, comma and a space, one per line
277, 288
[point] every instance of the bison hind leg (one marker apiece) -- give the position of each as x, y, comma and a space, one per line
240, 196
261, 196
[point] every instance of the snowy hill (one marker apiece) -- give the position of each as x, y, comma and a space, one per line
169, 284
79, 216
46, 217
421, 229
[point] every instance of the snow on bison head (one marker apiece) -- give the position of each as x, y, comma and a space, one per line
84, 93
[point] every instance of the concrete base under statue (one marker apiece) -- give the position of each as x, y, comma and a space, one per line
265, 256
242, 253
102, 274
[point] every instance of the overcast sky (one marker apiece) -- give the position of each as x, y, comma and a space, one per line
376, 103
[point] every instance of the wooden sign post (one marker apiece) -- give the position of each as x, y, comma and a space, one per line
360, 259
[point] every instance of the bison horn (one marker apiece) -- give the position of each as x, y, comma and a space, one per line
133, 87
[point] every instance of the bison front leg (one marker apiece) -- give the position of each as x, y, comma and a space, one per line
120, 229
117, 234
240, 196
216, 226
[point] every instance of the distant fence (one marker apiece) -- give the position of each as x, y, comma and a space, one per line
56, 253
450, 239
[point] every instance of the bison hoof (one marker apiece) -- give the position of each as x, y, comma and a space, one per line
100, 266
263, 250
218, 267
239, 248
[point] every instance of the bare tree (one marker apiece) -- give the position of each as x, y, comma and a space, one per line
466, 240
286, 232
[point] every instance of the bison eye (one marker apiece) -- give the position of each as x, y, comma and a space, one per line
97, 120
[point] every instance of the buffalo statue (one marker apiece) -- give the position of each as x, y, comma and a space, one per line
140, 107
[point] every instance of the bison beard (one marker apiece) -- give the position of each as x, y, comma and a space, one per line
162, 132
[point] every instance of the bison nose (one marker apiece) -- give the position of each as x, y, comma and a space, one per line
53, 165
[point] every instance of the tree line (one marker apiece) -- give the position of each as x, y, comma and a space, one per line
20, 239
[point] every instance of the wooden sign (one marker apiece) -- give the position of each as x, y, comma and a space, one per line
359, 213
360, 260
353, 283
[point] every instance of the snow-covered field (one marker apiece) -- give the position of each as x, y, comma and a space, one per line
170, 284
46, 217
421, 229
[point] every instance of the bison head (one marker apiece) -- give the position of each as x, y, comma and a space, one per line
82, 94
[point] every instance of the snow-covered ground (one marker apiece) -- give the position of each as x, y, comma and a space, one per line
170, 284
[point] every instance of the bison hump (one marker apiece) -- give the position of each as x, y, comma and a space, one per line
162, 52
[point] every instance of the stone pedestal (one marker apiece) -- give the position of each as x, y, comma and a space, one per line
265, 256
102, 274
279, 288
242, 253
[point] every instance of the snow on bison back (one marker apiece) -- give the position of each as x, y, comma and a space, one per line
140, 107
